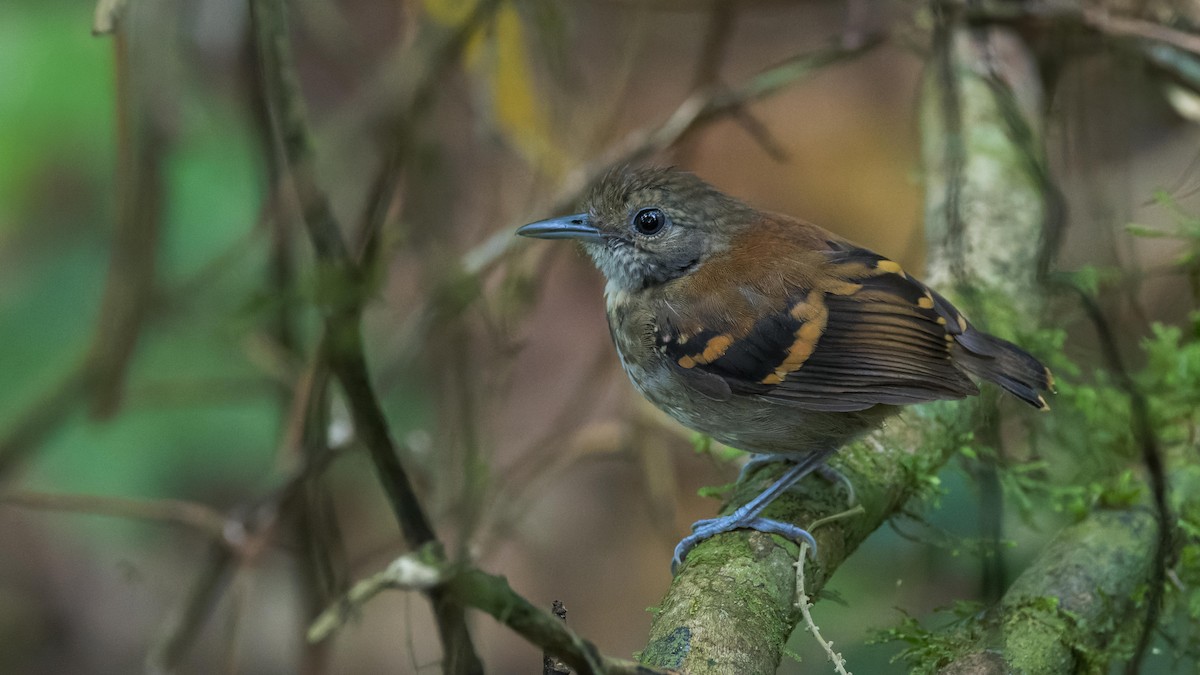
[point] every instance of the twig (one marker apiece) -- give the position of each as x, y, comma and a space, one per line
142, 145
714, 45
1120, 26
411, 572
128, 288
1096, 17
285, 102
182, 628
199, 517
411, 111
322, 556
804, 604
343, 341
232, 634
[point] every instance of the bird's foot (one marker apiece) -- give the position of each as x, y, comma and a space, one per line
704, 529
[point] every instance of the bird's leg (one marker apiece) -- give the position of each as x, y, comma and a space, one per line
823, 470
747, 516
758, 459
834, 476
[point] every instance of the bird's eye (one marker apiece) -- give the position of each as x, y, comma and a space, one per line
649, 221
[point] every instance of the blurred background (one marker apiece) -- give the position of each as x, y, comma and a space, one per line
158, 311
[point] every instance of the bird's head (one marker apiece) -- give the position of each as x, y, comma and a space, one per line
648, 226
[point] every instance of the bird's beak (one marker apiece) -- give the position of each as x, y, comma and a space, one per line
578, 226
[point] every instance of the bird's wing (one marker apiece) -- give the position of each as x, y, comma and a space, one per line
860, 333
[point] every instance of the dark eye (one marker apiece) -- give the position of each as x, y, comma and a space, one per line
649, 221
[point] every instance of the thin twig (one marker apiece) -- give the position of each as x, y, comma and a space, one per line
143, 142
1122, 26
404, 121
193, 515
285, 102
322, 555
1096, 17
714, 46
182, 628
804, 604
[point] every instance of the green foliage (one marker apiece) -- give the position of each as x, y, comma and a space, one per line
1172, 376
1186, 228
959, 627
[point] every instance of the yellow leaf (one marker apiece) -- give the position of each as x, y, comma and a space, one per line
449, 12
497, 58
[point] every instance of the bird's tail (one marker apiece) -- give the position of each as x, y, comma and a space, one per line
1000, 361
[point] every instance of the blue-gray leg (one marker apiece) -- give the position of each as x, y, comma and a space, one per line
823, 470
747, 516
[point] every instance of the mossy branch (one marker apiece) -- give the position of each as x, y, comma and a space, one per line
730, 608
1067, 610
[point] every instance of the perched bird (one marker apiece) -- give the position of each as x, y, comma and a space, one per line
768, 333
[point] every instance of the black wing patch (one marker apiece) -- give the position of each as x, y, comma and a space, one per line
777, 343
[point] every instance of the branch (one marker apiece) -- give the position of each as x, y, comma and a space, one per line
1096, 18
1121, 26
1146, 437
425, 571
169, 511
143, 143
1058, 616
183, 626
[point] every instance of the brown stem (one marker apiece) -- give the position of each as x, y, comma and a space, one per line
343, 313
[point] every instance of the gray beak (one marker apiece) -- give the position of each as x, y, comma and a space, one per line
578, 226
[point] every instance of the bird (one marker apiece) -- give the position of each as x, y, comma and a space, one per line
768, 333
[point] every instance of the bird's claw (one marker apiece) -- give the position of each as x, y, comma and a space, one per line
704, 529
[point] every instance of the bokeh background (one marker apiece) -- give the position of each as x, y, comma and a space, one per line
532, 452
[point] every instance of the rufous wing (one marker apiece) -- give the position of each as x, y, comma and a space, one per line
860, 334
